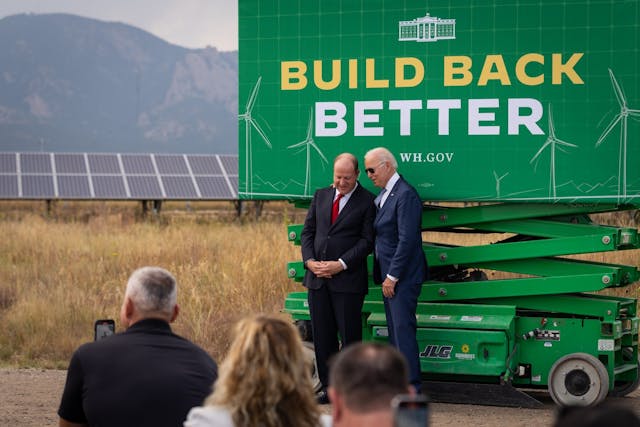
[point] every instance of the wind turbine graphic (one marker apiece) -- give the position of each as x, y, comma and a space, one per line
249, 124
555, 143
498, 179
621, 118
306, 145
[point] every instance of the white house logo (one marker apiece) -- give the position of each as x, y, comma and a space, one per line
427, 29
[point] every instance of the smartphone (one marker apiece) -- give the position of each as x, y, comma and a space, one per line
410, 410
103, 328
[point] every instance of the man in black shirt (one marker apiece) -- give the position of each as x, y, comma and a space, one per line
145, 376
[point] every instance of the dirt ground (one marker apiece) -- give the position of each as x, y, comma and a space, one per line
30, 398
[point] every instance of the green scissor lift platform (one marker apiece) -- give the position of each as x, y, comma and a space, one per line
527, 110
484, 341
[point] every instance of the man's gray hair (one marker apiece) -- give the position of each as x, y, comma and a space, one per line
382, 155
153, 290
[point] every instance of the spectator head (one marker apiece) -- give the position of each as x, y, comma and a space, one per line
603, 415
151, 292
265, 378
363, 379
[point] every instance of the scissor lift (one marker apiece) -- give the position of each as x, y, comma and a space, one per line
487, 341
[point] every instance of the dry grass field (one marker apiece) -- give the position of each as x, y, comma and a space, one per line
60, 272
63, 269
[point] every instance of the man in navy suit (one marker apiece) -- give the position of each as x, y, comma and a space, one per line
399, 262
336, 238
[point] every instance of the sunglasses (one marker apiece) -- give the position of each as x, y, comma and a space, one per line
373, 170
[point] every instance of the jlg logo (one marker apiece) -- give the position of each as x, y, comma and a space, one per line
437, 352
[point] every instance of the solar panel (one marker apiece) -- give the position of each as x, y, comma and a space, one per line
7, 163
74, 187
234, 184
38, 186
104, 163
35, 163
109, 187
113, 176
70, 163
213, 187
171, 165
138, 164
9, 186
179, 187
144, 187
230, 164
204, 165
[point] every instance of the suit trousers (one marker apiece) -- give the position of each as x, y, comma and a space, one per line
401, 322
333, 313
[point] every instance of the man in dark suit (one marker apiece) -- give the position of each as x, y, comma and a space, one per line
399, 262
336, 238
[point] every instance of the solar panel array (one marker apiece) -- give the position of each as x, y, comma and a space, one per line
118, 176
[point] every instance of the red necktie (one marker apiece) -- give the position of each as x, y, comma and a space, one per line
336, 208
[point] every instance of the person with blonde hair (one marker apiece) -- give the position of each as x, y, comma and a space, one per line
264, 381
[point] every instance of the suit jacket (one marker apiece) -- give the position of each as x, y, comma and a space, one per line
398, 244
349, 238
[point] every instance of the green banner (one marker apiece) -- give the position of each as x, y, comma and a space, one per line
529, 101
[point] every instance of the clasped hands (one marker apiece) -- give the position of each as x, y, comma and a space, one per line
324, 269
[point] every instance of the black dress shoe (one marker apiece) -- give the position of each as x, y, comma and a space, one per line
322, 398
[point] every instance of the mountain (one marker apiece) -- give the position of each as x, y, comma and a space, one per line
69, 83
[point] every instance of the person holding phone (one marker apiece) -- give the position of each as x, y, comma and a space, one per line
364, 379
144, 376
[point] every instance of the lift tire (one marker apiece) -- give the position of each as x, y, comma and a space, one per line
578, 379
310, 355
621, 389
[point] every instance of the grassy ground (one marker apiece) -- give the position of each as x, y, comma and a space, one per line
60, 272
63, 268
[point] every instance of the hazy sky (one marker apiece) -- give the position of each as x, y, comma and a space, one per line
188, 23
